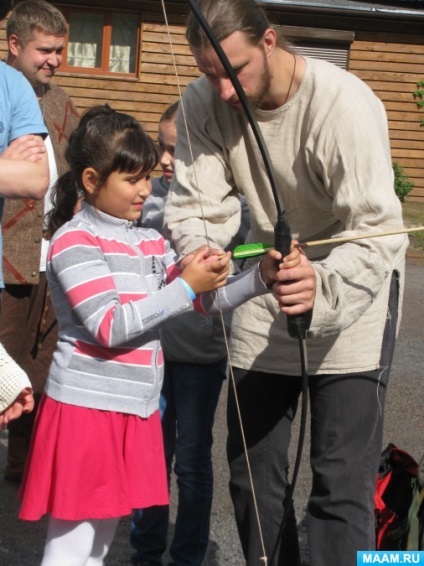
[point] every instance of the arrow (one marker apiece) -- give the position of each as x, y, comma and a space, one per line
251, 250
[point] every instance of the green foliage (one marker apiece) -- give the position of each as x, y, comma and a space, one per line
413, 215
403, 184
419, 97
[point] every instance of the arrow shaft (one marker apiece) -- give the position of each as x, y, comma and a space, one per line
359, 237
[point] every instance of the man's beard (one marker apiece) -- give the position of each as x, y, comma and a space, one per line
256, 99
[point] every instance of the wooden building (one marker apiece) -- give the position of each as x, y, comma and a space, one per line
385, 49
122, 52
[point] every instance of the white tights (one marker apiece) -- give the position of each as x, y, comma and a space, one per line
78, 543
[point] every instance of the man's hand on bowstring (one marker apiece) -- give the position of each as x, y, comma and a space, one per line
205, 269
295, 285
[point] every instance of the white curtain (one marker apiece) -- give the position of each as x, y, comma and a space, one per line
123, 44
85, 40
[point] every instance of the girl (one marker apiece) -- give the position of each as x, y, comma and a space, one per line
97, 450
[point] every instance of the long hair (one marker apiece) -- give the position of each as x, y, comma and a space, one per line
226, 17
107, 141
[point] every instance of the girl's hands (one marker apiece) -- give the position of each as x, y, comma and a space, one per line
207, 270
24, 403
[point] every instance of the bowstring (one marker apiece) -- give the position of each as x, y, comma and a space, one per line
263, 558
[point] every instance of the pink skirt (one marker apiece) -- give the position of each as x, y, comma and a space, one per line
91, 464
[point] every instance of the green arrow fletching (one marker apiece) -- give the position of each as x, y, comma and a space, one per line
250, 250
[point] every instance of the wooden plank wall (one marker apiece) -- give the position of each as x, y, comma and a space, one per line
147, 96
392, 65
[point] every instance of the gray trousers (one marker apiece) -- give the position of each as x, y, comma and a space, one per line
346, 441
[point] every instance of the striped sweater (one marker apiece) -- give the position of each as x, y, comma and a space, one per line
112, 286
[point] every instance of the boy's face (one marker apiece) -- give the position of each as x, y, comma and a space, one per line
167, 138
38, 58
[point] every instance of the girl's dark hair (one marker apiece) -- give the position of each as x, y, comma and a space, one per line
107, 141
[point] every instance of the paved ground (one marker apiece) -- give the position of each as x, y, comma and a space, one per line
21, 543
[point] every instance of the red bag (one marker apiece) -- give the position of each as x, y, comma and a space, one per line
397, 476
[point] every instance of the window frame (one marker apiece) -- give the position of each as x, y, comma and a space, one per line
106, 43
328, 44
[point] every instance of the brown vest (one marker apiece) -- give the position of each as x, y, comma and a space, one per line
22, 221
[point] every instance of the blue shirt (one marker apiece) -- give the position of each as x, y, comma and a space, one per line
20, 114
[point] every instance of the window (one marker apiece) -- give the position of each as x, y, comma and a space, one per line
101, 42
331, 45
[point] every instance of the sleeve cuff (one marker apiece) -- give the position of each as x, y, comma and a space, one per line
189, 290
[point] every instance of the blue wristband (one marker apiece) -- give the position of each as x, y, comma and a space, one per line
190, 291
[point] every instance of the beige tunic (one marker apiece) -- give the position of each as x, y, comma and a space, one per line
330, 150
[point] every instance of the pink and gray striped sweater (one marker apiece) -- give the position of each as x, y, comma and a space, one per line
112, 286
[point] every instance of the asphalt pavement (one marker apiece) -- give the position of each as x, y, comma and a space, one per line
21, 543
